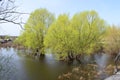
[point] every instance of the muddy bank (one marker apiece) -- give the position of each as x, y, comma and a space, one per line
10, 44
88, 72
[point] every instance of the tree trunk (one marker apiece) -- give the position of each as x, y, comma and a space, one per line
70, 57
78, 57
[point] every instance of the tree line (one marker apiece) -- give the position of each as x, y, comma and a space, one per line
84, 33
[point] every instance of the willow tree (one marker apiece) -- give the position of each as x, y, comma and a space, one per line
60, 37
35, 29
90, 29
80, 35
112, 40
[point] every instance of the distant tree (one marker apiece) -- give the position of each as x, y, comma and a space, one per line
112, 43
112, 40
35, 29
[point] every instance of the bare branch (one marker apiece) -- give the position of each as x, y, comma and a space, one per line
9, 14
5, 21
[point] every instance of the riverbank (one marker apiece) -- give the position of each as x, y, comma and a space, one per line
88, 72
11, 44
114, 77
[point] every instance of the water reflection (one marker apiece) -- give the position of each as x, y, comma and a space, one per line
45, 69
102, 62
15, 65
6, 65
10, 65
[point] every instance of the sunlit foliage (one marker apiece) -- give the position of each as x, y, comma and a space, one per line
80, 35
65, 37
35, 29
112, 40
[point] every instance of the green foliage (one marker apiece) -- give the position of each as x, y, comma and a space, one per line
60, 36
65, 37
80, 35
35, 29
112, 40
90, 29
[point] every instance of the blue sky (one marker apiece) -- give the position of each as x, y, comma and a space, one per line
107, 9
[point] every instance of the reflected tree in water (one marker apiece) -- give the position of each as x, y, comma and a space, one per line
7, 67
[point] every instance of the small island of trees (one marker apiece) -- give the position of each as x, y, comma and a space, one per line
69, 38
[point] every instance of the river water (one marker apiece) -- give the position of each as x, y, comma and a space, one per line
15, 65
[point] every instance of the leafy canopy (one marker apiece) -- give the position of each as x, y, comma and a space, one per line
35, 29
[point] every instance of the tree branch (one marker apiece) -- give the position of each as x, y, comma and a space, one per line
10, 21
9, 14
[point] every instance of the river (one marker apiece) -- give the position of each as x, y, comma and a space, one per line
15, 65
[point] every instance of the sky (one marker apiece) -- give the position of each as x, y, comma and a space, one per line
109, 10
